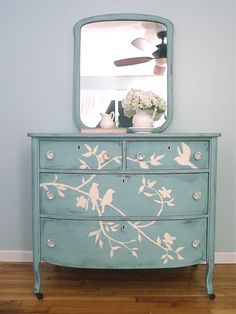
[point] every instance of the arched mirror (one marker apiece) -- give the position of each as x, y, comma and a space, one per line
118, 55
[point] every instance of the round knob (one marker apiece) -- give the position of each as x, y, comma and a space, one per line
106, 156
50, 195
140, 156
198, 155
196, 243
197, 195
50, 155
51, 243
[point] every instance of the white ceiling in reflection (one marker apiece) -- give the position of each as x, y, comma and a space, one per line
104, 42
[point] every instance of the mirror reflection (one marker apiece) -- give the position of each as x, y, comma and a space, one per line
117, 57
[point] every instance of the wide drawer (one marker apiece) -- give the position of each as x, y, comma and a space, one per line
120, 195
80, 155
123, 244
167, 155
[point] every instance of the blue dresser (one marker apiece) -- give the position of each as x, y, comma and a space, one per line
124, 201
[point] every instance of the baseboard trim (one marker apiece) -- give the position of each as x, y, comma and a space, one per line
16, 256
225, 257
26, 256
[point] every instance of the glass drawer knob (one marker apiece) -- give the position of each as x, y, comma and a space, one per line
140, 156
197, 195
196, 243
50, 195
106, 156
51, 243
198, 155
50, 155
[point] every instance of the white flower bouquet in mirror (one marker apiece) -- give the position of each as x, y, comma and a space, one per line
140, 100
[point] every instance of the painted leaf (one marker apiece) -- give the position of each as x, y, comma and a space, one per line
45, 187
87, 154
143, 180
100, 243
165, 261
55, 178
115, 248
95, 149
158, 240
139, 237
164, 256
160, 157
117, 160
111, 253
141, 189
157, 201
148, 194
83, 164
97, 237
88, 147
60, 193
143, 165
179, 257
170, 202
170, 257
92, 233
179, 249
151, 183
134, 253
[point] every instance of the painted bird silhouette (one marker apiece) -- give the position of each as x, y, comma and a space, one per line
184, 157
94, 195
107, 199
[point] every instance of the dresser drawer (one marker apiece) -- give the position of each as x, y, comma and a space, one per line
120, 195
167, 155
80, 155
123, 244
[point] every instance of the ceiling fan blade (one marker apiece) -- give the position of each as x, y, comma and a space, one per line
132, 61
159, 70
143, 45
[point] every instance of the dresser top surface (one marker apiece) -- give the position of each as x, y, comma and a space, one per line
125, 136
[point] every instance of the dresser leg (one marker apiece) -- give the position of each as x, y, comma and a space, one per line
208, 279
37, 282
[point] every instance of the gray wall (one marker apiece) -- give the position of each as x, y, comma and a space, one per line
36, 69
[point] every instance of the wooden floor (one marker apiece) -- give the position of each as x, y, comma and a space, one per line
69, 290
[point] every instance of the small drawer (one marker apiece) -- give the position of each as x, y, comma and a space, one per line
167, 155
105, 195
123, 244
80, 155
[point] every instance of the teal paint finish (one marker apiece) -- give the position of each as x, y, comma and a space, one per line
71, 154
166, 153
120, 17
150, 195
132, 245
102, 213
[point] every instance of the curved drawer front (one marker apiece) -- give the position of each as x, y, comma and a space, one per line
122, 196
119, 244
80, 155
167, 155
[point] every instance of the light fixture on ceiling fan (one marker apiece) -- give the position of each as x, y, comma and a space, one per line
160, 55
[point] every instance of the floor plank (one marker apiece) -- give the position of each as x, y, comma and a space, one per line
69, 290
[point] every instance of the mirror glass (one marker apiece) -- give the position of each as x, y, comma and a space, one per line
116, 54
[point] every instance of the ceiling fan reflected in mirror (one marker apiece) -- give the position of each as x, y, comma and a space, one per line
159, 55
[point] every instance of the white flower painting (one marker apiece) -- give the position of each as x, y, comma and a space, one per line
90, 197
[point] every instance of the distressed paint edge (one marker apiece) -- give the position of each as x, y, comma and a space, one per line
27, 256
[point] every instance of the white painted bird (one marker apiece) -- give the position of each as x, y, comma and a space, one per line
107, 199
184, 157
94, 195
